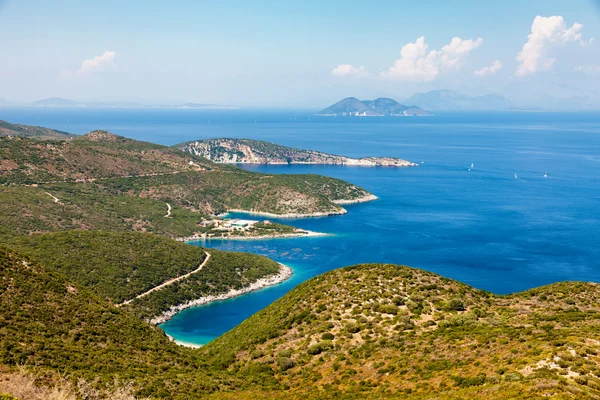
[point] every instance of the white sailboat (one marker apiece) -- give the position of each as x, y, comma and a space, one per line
516, 177
472, 165
545, 174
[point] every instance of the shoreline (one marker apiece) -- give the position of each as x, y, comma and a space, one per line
282, 275
364, 199
288, 215
350, 162
299, 234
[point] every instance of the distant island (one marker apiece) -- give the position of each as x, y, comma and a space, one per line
57, 102
248, 151
381, 107
450, 100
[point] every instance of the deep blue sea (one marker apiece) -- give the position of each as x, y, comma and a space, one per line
484, 227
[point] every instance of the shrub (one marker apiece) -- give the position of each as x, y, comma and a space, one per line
285, 363
320, 347
454, 305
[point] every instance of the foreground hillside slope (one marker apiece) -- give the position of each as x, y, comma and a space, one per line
57, 327
375, 331
227, 150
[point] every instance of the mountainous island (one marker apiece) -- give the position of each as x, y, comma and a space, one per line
248, 151
351, 106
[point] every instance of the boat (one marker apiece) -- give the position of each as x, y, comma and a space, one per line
516, 177
472, 165
545, 174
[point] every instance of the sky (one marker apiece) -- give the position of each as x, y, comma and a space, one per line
297, 54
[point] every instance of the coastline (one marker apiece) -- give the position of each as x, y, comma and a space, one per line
300, 233
289, 215
284, 274
364, 199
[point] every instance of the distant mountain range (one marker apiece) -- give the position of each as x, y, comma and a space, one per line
67, 103
351, 106
451, 100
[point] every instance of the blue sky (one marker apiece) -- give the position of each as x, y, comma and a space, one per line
306, 53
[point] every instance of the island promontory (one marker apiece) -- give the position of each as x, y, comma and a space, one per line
248, 151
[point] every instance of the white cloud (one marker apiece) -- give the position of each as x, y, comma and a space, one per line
416, 63
588, 69
489, 70
347, 70
544, 32
103, 62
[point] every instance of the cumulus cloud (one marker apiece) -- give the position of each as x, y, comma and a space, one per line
545, 32
347, 70
418, 63
103, 62
489, 70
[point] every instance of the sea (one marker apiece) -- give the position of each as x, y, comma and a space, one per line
503, 201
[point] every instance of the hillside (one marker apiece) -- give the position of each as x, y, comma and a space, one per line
449, 100
56, 327
248, 151
110, 165
377, 331
32, 132
351, 106
120, 266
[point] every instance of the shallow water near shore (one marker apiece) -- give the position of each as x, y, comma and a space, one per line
483, 227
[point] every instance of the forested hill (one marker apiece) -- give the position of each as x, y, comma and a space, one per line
226, 150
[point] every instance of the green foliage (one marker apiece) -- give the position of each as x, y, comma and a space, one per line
114, 265
53, 325
224, 271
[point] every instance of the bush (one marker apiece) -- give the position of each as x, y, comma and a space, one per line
454, 305
285, 363
320, 347
327, 336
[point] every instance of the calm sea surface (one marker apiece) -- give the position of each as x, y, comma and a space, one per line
483, 227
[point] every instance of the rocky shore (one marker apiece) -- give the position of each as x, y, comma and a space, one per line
341, 211
284, 274
363, 199
298, 233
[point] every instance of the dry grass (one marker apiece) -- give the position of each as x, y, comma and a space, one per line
23, 385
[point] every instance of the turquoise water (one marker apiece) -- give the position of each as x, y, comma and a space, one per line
482, 227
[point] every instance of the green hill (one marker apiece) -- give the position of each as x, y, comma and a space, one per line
377, 331
56, 327
33, 132
113, 165
119, 266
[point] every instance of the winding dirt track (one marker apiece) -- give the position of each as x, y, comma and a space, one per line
170, 281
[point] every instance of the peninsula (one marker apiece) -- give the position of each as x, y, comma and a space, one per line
381, 107
248, 151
